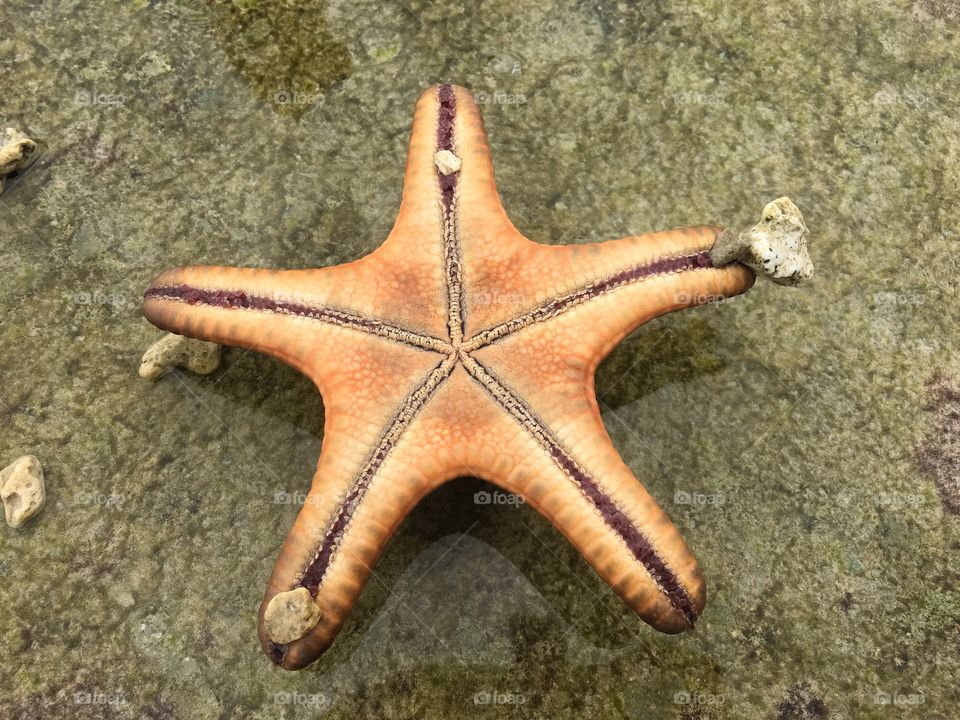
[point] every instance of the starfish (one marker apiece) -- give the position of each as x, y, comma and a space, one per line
458, 347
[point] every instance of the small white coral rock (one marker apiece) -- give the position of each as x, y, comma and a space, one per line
22, 490
15, 149
197, 356
775, 248
446, 162
290, 615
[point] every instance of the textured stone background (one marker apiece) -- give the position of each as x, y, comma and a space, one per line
804, 441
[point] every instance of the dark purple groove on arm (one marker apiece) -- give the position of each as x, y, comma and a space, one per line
638, 544
445, 117
661, 266
238, 299
452, 257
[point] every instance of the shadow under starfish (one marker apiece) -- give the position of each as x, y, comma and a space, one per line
459, 347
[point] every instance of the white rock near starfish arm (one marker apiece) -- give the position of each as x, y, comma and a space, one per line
446, 162
197, 356
290, 615
22, 490
15, 150
774, 248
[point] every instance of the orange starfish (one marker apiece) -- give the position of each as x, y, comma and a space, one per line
459, 347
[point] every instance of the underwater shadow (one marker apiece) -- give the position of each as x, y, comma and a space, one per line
503, 576
681, 351
256, 381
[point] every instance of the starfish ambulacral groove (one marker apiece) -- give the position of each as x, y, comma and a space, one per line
425, 379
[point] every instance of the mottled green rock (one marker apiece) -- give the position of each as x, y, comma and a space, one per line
793, 469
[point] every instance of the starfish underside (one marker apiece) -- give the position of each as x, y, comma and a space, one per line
459, 347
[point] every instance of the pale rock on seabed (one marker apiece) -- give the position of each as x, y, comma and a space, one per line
22, 490
171, 351
15, 152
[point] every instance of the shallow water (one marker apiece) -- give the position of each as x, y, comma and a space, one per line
796, 438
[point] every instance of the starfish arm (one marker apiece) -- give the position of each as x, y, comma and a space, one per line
448, 211
649, 274
343, 526
576, 479
353, 508
485, 227
281, 313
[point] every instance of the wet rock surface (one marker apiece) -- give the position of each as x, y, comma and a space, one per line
227, 133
